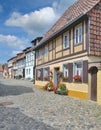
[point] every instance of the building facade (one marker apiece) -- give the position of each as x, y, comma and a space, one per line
20, 65
29, 62
73, 46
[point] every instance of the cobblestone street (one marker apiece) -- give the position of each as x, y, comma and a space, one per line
23, 107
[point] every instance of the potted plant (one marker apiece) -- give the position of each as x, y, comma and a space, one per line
49, 86
61, 89
60, 75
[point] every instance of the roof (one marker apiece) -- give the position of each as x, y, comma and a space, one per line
37, 38
1, 69
74, 12
20, 56
26, 49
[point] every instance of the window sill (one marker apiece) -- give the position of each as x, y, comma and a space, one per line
77, 44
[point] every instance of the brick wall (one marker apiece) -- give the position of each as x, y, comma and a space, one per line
95, 30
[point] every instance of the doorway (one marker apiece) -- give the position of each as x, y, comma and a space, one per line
56, 78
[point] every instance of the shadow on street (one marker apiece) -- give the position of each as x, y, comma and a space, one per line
14, 119
6, 90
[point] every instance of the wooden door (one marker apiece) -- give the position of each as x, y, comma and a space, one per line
94, 83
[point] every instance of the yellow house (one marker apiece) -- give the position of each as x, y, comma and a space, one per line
73, 47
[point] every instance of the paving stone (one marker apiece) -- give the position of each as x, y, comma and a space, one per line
36, 109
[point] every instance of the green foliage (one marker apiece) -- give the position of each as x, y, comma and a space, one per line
61, 89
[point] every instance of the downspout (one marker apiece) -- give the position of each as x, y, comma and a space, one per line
89, 36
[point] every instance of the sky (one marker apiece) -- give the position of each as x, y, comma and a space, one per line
21, 21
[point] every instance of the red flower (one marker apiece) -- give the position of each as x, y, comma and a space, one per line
77, 78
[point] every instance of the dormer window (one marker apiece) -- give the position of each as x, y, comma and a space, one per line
78, 35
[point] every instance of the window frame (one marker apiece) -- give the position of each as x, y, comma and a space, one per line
66, 42
45, 73
65, 70
46, 51
39, 54
76, 70
78, 35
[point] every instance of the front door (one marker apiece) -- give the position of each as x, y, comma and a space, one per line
56, 79
94, 84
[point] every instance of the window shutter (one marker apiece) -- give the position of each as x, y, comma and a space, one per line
70, 72
85, 71
48, 69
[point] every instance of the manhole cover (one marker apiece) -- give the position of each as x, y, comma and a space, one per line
6, 103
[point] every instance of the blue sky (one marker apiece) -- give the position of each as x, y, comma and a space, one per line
23, 20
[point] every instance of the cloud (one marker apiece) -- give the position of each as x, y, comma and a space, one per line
35, 22
38, 22
13, 41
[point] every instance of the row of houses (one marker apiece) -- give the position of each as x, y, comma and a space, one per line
23, 64
72, 46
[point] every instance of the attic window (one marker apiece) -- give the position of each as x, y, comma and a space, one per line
69, 17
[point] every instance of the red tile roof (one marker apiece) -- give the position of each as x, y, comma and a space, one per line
20, 56
78, 9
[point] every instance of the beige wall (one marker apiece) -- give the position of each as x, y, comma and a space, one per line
99, 87
55, 46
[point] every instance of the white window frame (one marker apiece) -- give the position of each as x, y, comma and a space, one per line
39, 73
78, 35
66, 40
46, 50
65, 70
39, 54
77, 70
45, 72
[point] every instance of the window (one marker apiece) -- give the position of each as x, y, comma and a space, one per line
66, 41
39, 54
78, 69
29, 70
39, 74
78, 35
65, 72
45, 74
46, 50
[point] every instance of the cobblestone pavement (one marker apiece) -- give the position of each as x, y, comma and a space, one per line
24, 107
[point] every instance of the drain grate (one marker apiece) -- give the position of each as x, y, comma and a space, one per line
6, 103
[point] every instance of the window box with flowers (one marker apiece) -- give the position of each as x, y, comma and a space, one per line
77, 78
